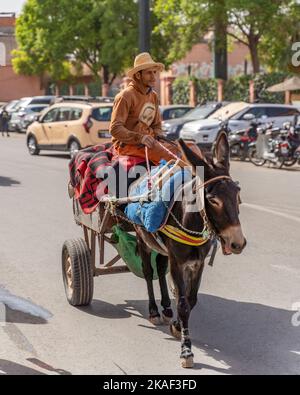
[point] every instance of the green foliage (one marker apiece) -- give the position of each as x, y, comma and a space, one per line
263, 81
207, 90
181, 91
267, 27
59, 37
235, 89
276, 45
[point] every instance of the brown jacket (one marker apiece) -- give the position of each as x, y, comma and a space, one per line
135, 113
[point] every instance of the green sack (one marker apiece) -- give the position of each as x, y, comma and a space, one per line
126, 246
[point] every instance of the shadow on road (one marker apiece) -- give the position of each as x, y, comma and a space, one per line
106, 310
8, 182
45, 366
20, 317
12, 368
249, 338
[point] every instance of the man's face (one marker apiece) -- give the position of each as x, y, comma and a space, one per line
148, 77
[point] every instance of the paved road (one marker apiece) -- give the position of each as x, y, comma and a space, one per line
241, 325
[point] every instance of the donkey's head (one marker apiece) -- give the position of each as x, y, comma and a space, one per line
222, 196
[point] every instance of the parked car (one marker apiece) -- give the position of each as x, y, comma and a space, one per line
25, 116
173, 127
89, 99
174, 111
70, 126
239, 116
10, 107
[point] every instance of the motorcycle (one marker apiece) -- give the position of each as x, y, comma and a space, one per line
268, 148
240, 140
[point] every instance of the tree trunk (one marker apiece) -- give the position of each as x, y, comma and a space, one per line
253, 46
105, 80
220, 42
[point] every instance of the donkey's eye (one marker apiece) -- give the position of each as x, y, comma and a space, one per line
214, 201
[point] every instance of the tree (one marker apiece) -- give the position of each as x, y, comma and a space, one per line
249, 21
276, 46
186, 22
53, 36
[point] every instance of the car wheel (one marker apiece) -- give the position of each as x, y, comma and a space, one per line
32, 146
74, 147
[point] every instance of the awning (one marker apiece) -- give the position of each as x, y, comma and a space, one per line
292, 84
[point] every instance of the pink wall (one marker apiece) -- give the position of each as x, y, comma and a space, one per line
13, 86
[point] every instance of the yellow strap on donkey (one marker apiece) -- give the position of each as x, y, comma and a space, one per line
182, 237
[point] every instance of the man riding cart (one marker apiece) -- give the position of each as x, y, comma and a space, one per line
136, 119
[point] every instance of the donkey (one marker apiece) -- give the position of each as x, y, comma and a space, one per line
186, 263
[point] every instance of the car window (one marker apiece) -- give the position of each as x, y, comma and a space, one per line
11, 105
228, 111
174, 113
35, 109
200, 112
63, 114
42, 100
76, 114
51, 116
102, 114
22, 103
281, 112
258, 112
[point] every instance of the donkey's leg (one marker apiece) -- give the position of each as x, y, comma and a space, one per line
194, 284
145, 254
183, 310
162, 266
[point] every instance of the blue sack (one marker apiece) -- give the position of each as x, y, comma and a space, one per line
152, 214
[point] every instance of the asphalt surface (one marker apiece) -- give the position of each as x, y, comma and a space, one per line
244, 322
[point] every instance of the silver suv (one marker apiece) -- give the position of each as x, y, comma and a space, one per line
238, 115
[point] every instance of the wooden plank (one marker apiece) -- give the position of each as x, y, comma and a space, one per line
111, 270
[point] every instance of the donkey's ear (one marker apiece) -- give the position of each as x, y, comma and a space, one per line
223, 151
195, 157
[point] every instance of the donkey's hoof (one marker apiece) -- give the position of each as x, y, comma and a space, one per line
187, 363
155, 320
167, 316
175, 332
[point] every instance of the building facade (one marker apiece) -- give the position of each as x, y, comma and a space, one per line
12, 85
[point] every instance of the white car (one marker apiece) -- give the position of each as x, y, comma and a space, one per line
239, 116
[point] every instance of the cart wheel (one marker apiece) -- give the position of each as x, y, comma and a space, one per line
77, 272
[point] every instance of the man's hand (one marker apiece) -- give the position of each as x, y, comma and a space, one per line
148, 141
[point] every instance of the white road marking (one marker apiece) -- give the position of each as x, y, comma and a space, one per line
270, 211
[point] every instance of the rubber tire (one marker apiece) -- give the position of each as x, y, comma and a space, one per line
279, 164
290, 163
81, 272
252, 160
35, 151
72, 154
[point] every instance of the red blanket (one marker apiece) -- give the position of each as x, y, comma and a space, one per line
86, 169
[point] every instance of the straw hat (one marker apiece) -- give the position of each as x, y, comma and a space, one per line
142, 62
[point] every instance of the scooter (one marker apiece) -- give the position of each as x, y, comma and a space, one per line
267, 148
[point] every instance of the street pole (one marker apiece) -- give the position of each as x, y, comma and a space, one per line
144, 25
